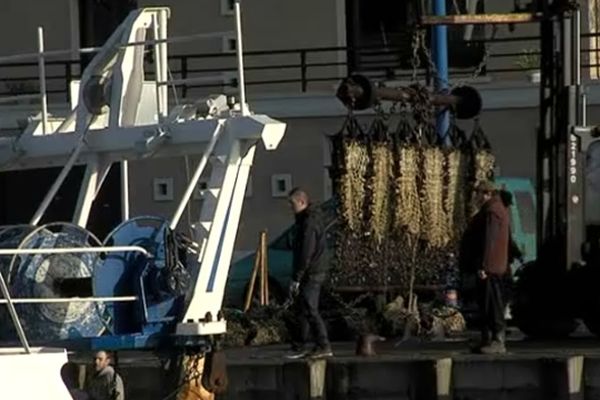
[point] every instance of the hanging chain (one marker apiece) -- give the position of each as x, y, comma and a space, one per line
416, 61
432, 67
476, 72
192, 374
484, 60
486, 53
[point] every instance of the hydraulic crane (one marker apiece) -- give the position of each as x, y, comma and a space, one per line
144, 286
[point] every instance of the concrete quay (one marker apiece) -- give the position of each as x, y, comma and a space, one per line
418, 371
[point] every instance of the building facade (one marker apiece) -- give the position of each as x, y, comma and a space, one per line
296, 54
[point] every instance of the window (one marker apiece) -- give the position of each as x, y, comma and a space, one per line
381, 31
163, 189
281, 184
227, 7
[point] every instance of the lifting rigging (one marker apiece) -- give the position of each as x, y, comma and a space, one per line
567, 255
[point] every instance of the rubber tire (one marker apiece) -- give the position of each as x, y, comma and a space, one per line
589, 303
537, 310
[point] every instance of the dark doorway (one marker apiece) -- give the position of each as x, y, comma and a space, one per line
98, 19
380, 33
23, 191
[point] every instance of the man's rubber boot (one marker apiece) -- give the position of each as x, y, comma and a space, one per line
322, 352
497, 345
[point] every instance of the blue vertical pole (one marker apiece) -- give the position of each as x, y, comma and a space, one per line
440, 59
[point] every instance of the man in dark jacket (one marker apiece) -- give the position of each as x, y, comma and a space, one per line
484, 252
310, 269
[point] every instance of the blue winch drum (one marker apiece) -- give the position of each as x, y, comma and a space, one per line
10, 238
121, 273
55, 276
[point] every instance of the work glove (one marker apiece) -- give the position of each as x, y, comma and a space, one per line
294, 288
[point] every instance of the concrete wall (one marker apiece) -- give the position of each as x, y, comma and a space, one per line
19, 21
268, 25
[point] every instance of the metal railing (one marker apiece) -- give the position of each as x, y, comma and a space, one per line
300, 70
10, 301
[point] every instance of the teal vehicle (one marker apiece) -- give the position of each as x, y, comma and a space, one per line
279, 256
522, 214
280, 253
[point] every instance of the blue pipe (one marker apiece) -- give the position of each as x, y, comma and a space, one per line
440, 59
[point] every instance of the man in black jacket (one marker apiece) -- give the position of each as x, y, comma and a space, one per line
309, 273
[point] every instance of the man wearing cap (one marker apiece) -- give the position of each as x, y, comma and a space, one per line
484, 252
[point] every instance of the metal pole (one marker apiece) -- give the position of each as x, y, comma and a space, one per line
124, 190
577, 45
54, 300
581, 117
157, 69
57, 183
42, 71
197, 173
440, 58
240, 56
164, 92
76, 250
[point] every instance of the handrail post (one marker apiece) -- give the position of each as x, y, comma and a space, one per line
68, 78
14, 316
303, 68
240, 57
42, 72
184, 75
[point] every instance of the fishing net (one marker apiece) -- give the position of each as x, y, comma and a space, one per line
404, 199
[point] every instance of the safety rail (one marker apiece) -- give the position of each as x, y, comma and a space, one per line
10, 302
76, 250
297, 69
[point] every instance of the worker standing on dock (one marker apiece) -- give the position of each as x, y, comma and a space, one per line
484, 251
309, 273
105, 383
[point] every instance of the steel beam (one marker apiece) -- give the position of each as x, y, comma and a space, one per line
481, 19
32, 150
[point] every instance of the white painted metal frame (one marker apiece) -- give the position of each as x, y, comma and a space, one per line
76, 250
227, 139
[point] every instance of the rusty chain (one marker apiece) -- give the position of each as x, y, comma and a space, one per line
415, 61
456, 7
191, 375
434, 71
484, 60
